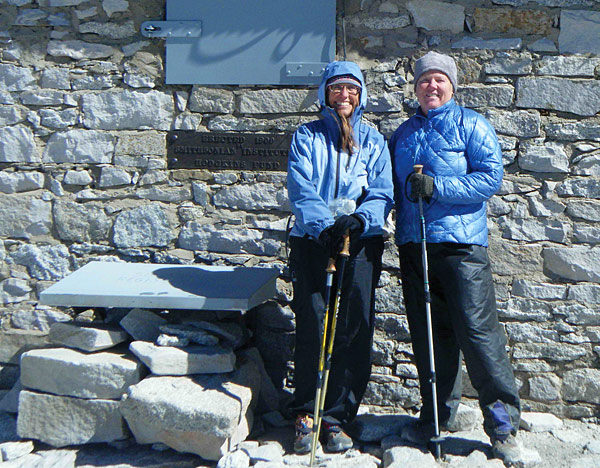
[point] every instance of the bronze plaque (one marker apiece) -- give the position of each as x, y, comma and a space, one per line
228, 151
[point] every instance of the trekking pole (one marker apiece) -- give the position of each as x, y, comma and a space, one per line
322, 383
436, 440
317, 416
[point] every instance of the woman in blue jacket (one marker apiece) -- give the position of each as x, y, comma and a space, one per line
462, 169
339, 179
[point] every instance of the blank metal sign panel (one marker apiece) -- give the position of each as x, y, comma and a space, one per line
250, 41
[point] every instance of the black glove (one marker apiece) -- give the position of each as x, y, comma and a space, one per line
354, 224
421, 186
332, 237
332, 244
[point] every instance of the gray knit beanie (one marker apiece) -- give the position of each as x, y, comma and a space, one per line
440, 62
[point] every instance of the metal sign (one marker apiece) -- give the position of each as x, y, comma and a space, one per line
246, 41
228, 151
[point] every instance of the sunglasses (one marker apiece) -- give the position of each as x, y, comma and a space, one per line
338, 88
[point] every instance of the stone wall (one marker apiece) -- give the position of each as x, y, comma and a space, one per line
83, 116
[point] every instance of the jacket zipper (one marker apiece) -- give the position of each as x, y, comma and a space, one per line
337, 174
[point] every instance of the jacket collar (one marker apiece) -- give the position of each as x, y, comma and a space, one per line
451, 104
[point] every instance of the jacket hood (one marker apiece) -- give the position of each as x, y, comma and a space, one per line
343, 68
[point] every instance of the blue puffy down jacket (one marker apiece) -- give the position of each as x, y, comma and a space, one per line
459, 148
319, 175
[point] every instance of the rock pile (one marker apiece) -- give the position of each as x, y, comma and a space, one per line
190, 385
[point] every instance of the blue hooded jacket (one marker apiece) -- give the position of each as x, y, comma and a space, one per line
319, 174
457, 147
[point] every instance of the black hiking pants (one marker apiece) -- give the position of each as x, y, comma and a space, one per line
351, 358
464, 317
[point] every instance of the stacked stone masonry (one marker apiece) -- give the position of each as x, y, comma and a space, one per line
84, 113
196, 393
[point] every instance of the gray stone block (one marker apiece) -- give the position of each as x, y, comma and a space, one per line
15, 342
143, 226
45, 262
142, 324
79, 49
10, 400
539, 422
60, 421
559, 94
92, 337
168, 360
41, 318
12, 450
77, 222
582, 385
467, 418
127, 110
80, 146
14, 78
64, 371
21, 182
579, 32
18, 145
22, 215
47, 459
205, 415
426, 15
578, 263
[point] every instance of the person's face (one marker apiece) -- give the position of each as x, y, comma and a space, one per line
434, 89
343, 98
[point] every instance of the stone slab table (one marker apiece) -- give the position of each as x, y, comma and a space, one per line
160, 286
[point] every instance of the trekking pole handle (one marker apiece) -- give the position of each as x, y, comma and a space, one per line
345, 252
418, 168
330, 266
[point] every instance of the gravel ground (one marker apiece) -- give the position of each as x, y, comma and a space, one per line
575, 445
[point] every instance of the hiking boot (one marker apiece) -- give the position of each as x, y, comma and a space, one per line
506, 449
337, 439
419, 432
303, 439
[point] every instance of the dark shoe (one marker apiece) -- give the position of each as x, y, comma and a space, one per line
506, 449
337, 439
303, 439
419, 432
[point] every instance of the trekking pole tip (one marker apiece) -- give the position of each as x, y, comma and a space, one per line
436, 447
